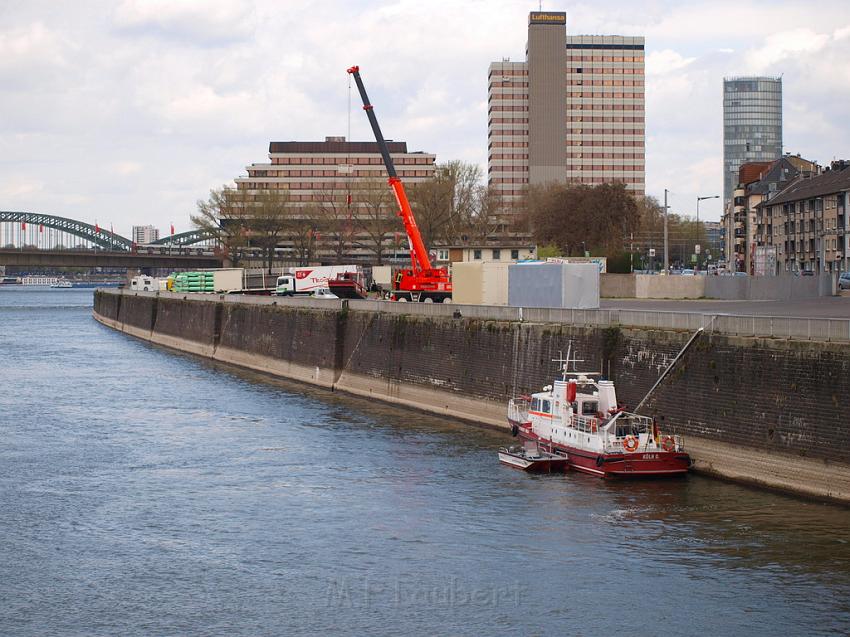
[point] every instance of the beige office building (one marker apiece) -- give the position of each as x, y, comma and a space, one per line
572, 112
333, 174
309, 170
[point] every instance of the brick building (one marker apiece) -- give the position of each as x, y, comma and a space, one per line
573, 111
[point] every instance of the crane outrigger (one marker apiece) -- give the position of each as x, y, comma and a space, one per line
422, 281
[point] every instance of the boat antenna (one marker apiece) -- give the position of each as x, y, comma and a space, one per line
565, 363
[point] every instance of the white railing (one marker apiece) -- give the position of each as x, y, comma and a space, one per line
518, 409
615, 444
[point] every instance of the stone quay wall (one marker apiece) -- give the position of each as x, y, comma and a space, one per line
759, 410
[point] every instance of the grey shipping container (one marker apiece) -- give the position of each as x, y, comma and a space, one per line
564, 285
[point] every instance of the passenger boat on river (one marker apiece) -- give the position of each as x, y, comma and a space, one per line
579, 417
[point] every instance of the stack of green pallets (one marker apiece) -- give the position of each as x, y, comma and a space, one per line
201, 282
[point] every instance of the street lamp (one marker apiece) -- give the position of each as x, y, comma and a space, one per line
698, 200
703, 199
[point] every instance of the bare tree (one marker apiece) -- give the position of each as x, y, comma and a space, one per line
270, 219
377, 217
484, 215
224, 217
580, 217
335, 220
444, 205
304, 233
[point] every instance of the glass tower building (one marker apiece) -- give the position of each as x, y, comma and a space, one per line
752, 125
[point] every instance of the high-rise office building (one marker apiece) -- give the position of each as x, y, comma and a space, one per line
752, 125
572, 112
142, 235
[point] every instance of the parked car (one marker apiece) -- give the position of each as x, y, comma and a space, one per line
324, 293
844, 281
688, 272
807, 273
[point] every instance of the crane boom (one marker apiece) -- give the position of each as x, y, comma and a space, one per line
418, 253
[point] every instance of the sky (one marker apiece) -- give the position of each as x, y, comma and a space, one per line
129, 111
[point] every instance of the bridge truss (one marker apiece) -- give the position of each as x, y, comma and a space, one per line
96, 236
185, 238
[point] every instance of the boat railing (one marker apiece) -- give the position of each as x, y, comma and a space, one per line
665, 442
518, 409
587, 424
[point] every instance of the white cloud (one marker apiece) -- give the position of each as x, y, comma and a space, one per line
31, 55
661, 62
779, 46
17, 188
124, 168
209, 22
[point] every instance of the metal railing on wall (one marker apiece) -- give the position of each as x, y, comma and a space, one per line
783, 327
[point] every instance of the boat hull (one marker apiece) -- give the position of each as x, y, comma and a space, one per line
347, 289
613, 465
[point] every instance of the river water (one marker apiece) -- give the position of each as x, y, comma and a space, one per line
144, 492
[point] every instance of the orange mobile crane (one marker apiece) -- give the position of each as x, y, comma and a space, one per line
422, 281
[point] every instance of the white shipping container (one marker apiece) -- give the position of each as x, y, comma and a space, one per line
484, 283
383, 275
227, 279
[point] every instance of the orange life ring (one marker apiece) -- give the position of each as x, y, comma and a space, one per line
630, 443
668, 443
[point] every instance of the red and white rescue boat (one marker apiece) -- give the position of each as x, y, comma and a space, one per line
578, 417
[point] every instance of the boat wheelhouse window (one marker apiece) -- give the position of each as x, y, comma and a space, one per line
547, 407
535, 404
589, 408
632, 427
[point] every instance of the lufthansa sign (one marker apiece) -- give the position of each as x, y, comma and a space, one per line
547, 17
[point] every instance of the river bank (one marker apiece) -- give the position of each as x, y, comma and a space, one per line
762, 411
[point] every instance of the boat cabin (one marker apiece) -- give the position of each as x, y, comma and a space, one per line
584, 412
